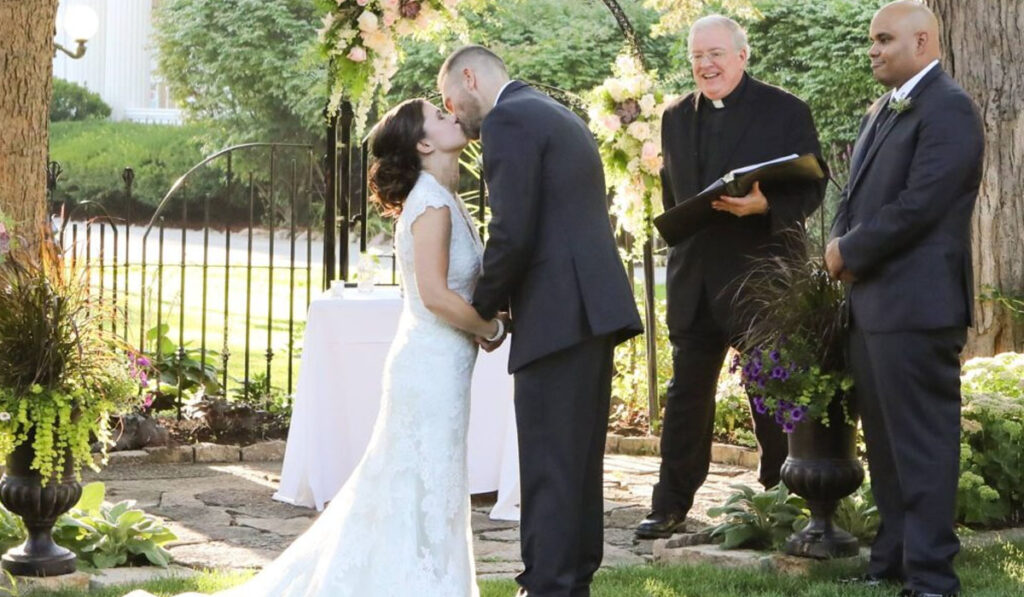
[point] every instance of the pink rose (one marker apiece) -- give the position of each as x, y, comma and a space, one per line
362, 2
357, 54
612, 123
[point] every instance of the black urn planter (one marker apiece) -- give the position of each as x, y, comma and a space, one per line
22, 492
822, 468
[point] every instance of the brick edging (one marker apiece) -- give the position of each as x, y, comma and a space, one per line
651, 446
273, 451
201, 453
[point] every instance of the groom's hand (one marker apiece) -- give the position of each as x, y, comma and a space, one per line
834, 263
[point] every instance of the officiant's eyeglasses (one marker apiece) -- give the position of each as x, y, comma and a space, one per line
713, 56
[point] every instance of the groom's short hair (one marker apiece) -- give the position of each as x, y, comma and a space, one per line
477, 55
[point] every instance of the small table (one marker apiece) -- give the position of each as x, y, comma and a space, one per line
338, 395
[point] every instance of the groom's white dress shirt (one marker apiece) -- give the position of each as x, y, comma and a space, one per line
907, 87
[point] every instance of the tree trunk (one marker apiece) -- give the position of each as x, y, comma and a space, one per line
982, 50
26, 80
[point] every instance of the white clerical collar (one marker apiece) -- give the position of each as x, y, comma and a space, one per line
907, 87
718, 103
500, 91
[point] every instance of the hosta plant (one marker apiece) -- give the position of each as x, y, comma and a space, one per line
758, 519
109, 535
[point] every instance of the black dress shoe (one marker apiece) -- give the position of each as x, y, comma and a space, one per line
659, 525
868, 580
913, 593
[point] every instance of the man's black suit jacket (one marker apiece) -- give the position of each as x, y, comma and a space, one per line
904, 221
551, 253
764, 123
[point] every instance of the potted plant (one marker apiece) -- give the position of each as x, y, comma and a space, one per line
62, 374
794, 368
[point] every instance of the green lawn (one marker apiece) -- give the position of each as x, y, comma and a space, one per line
994, 571
249, 300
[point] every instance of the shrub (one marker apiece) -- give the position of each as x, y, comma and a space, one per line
93, 155
72, 101
991, 489
732, 411
629, 386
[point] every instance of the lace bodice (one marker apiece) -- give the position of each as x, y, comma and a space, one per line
465, 251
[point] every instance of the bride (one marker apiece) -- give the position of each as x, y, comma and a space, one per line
400, 525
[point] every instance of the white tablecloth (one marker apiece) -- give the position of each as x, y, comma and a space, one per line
338, 396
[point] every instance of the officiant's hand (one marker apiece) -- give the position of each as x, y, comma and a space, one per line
753, 203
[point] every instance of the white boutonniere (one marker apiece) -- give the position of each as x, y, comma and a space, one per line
901, 105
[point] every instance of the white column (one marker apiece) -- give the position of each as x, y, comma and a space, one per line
88, 70
127, 81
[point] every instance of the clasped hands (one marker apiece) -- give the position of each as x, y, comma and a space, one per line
491, 345
834, 263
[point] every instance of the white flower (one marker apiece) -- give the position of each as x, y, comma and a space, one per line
625, 64
367, 21
5, 416
639, 130
616, 89
390, 4
647, 104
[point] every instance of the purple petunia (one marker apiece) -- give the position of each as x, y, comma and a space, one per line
788, 427
797, 414
775, 356
778, 372
759, 405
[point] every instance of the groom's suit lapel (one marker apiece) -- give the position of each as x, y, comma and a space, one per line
871, 149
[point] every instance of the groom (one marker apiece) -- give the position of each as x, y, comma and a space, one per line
550, 258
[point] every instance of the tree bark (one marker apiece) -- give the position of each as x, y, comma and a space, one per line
26, 81
982, 50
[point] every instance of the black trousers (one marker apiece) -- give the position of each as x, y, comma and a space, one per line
562, 403
686, 436
908, 395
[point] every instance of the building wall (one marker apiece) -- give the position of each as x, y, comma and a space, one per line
119, 63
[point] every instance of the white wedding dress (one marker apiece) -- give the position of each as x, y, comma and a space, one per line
400, 524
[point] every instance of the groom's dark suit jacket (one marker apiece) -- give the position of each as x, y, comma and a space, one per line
905, 215
762, 122
551, 255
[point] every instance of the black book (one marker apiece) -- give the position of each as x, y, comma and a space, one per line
694, 214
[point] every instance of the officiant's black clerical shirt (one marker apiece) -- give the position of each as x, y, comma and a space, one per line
712, 144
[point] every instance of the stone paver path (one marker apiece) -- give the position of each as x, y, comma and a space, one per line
224, 516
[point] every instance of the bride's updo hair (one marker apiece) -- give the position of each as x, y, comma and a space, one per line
396, 166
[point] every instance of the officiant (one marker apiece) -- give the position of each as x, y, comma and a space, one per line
732, 120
